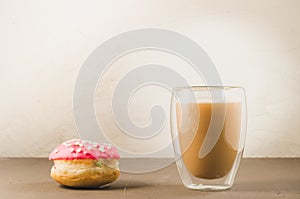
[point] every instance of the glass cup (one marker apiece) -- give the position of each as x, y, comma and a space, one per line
208, 125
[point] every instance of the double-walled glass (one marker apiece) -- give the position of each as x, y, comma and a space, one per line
208, 125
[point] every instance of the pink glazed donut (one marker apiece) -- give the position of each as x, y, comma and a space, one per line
82, 163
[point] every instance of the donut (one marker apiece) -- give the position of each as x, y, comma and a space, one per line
82, 163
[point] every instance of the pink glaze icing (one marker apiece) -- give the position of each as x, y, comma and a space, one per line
83, 149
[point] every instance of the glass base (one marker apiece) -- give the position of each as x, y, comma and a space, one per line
201, 187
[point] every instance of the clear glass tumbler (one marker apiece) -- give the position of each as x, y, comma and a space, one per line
208, 125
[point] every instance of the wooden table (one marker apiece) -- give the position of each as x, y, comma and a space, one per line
257, 178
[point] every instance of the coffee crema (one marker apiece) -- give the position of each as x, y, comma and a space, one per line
219, 160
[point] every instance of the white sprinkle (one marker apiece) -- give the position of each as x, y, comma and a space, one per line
66, 144
56, 150
78, 150
72, 150
101, 149
95, 145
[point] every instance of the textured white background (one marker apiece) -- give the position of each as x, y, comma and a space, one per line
254, 44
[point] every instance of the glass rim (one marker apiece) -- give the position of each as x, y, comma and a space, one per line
203, 88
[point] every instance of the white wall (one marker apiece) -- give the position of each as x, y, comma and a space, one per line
254, 44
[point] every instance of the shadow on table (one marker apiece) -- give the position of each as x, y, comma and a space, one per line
120, 184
